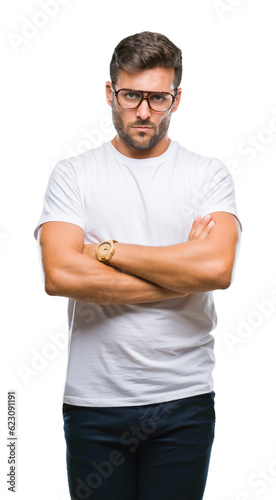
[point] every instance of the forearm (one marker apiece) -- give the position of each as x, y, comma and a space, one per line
84, 279
186, 267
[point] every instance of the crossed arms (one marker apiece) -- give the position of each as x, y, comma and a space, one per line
205, 262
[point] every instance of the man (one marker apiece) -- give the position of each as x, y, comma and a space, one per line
120, 238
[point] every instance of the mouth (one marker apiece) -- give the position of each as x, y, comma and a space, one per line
143, 129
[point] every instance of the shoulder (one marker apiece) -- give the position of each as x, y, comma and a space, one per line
190, 157
79, 167
199, 166
80, 161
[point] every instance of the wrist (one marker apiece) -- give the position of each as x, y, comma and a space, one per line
124, 257
116, 260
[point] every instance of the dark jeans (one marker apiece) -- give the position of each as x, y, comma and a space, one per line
151, 452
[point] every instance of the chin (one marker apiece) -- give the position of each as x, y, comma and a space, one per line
142, 146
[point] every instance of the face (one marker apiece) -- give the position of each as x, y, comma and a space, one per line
142, 131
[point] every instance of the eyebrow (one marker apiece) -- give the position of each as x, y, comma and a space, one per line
146, 91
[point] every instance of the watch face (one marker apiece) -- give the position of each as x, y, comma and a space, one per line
104, 248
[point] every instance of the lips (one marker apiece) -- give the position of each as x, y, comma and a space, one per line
143, 129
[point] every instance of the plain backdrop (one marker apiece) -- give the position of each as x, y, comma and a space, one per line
54, 64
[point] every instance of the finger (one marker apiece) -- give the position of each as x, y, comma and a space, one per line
89, 249
201, 226
194, 226
206, 230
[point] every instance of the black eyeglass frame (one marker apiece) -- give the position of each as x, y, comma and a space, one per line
174, 96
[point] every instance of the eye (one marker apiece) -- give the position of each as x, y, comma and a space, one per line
131, 95
159, 97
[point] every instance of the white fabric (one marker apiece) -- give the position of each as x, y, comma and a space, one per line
152, 352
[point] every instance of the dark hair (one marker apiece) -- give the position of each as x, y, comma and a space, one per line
146, 50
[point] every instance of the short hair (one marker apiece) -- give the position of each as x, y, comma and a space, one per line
146, 50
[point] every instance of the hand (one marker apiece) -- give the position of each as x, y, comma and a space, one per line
90, 250
201, 228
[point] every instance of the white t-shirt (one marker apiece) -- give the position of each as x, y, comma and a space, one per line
124, 355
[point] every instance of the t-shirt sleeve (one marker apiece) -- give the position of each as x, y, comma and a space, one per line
62, 200
217, 191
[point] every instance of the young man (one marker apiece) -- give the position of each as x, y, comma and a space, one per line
120, 238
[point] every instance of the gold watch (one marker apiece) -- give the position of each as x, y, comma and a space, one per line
105, 250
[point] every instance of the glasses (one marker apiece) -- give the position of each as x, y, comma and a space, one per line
157, 101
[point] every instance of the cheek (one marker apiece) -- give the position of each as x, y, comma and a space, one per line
164, 120
117, 118
125, 118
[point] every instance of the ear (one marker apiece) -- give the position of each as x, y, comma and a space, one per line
177, 101
109, 93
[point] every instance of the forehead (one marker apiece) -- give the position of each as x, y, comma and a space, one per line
156, 79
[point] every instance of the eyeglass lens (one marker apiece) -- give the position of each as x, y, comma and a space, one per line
131, 99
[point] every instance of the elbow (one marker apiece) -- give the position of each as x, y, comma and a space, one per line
225, 277
51, 283
216, 276
224, 284
50, 290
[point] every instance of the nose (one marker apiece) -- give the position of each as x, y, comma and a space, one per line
143, 111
